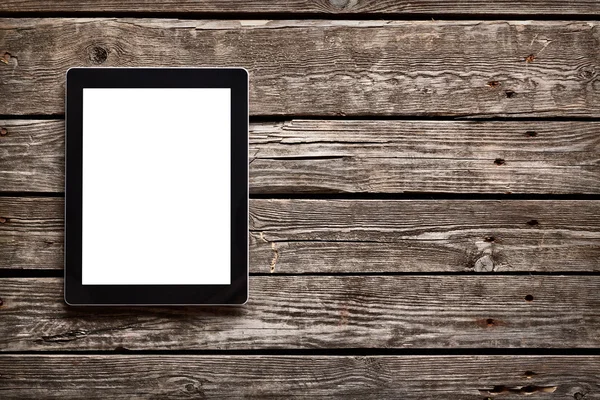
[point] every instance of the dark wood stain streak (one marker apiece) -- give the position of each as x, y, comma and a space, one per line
365, 236
308, 7
314, 312
323, 67
364, 377
308, 156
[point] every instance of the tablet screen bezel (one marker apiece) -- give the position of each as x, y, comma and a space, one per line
236, 79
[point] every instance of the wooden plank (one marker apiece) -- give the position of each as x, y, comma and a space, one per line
366, 236
424, 236
313, 312
31, 232
32, 156
425, 156
511, 7
308, 156
364, 377
320, 67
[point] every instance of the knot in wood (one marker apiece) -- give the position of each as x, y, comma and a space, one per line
343, 3
484, 264
98, 55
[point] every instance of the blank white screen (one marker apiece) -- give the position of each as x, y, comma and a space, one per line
156, 186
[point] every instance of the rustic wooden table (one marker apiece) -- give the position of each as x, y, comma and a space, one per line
424, 214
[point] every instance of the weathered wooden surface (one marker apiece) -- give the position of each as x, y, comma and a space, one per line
458, 68
307, 156
527, 7
31, 232
425, 235
32, 156
333, 236
310, 312
356, 377
425, 156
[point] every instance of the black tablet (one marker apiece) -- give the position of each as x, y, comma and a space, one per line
156, 208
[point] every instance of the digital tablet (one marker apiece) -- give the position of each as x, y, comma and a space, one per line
156, 191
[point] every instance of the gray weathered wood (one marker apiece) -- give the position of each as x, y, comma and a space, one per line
527, 7
310, 312
32, 156
460, 68
31, 232
425, 235
425, 156
364, 156
355, 377
318, 236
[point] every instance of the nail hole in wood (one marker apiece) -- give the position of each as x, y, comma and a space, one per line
529, 297
531, 133
533, 222
489, 239
3, 220
5, 57
509, 94
529, 374
3, 131
528, 389
499, 161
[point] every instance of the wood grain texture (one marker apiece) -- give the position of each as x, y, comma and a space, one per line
32, 156
319, 67
308, 156
424, 236
425, 156
337, 236
527, 7
31, 232
348, 377
313, 312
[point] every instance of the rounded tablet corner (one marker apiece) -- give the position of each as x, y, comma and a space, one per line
243, 303
71, 71
67, 302
243, 71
